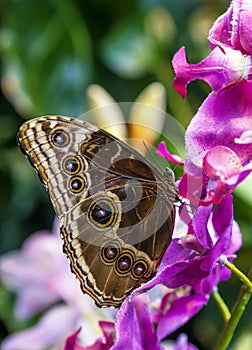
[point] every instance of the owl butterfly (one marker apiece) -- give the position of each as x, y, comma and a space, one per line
116, 211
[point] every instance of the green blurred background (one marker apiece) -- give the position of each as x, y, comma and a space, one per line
51, 51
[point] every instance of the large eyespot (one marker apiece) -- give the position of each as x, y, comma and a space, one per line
76, 184
124, 263
102, 213
72, 165
139, 268
110, 252
60, 138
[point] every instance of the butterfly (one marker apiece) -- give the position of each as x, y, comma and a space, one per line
116, 210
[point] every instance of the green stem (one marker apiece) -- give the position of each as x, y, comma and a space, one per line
246, 280
222, 306
240, 305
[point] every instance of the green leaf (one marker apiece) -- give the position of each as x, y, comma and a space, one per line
244, 190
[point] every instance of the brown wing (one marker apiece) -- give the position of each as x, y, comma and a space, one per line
116, 210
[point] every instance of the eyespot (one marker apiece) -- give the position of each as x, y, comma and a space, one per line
76, 184
124, 263
71, 165
60, 138
102, 213
110, 252
139, 268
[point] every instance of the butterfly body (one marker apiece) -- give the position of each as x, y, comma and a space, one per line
116, 210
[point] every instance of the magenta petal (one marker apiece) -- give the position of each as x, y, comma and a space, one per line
222, 223
162, 151
173, 264
208, 284
184, 274
181, 310
224, 170
200, 221
182, 71
147, 336
223, 218
221, 162
233, 28
108, 329
245, 29
174, 254
178, 275
134, 329
222, 118
245, 138
124, 320
235, 180
102, 343
222, 29
191, 186
222, 67
71, 342
236, 239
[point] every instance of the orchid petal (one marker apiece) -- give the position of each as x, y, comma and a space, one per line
223, 66
162, 151
50, 330
216, 123
179, 312
134, 327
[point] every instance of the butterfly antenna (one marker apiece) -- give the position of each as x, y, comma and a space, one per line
152, 158
184, 202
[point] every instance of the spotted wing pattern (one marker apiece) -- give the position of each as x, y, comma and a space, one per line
116, 210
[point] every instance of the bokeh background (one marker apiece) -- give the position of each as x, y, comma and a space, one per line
51, 51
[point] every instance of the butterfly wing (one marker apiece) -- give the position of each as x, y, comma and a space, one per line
116, 210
